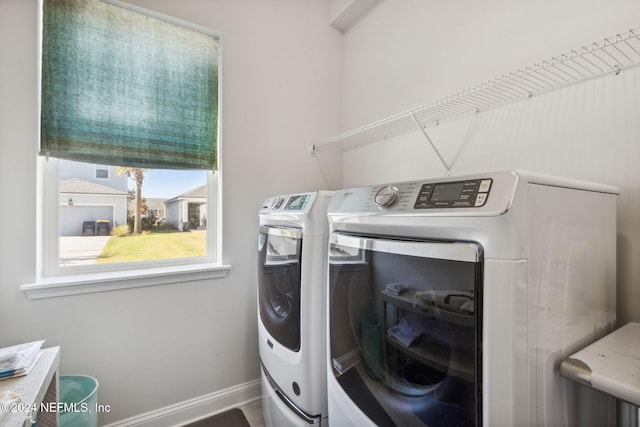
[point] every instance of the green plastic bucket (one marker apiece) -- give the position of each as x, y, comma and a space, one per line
78, 396
371, 336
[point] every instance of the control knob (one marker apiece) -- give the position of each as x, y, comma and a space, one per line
386, 196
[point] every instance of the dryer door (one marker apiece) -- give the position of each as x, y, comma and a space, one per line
279, 269
405, 329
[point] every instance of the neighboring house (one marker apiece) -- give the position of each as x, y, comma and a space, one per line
90, 194
155, 208
188, 210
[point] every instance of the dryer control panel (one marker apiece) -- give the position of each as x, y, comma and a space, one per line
481, 194
460, 194
470, 193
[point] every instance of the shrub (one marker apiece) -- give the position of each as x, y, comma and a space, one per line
121, 230
152, 224
164, 226
147, 223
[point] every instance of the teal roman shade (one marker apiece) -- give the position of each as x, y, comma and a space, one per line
124, 88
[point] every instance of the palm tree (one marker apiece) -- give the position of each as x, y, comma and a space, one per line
138, 176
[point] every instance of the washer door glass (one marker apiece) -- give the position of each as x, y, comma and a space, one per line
405, 328
279, 272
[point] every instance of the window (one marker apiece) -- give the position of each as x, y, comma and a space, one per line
90, 224
102, 172
129, 112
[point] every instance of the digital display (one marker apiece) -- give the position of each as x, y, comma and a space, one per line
447, 192
297, 203
471, 193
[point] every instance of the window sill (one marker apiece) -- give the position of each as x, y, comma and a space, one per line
98, 282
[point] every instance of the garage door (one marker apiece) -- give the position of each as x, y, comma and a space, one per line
72, 217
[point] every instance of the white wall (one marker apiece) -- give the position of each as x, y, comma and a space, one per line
409, 52
87, 172
157, 346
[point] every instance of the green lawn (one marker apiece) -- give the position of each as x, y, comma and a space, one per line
153, 246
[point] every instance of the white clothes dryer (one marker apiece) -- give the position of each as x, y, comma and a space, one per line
292, 260
452, 301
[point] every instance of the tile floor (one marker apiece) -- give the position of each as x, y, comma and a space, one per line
253, 412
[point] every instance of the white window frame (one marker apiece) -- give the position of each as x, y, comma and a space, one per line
53, 280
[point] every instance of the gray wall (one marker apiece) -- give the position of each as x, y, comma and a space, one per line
413, 52
157, 346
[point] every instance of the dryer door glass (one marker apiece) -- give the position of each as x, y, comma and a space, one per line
279, 268
405, 328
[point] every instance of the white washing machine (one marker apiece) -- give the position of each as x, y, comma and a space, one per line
292, 260
452, 301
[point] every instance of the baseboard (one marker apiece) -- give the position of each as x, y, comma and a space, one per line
198, 407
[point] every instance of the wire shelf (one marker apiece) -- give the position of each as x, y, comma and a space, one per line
610, 55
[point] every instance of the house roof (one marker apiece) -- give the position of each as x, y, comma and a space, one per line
196, 193
152, 203
80, 186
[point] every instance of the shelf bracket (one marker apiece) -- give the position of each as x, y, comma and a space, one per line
424, 132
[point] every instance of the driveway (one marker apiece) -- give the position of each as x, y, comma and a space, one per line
79, 250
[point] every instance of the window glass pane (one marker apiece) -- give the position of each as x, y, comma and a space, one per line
97, 216
102, 172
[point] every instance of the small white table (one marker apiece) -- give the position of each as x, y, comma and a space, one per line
38, 386
611, 365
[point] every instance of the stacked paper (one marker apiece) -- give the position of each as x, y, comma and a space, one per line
395, 289
18, 360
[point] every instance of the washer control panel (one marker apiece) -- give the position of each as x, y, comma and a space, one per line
470, 193
300, 203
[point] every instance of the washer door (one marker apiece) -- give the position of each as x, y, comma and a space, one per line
404, 327
279, 272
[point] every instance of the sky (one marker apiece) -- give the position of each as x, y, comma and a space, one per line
166, 184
